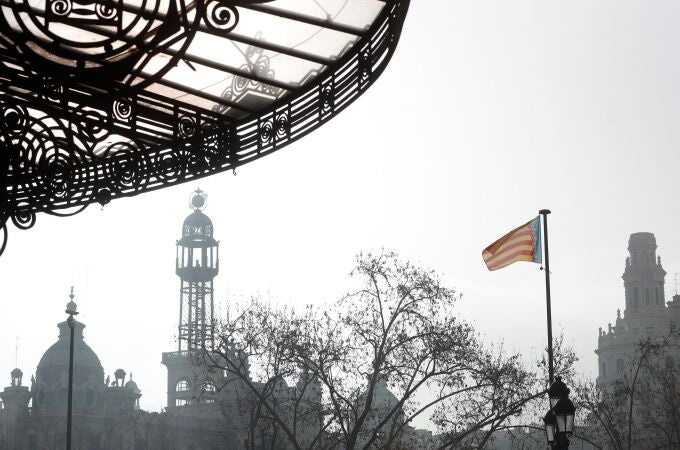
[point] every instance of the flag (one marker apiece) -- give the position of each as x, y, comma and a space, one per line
521, 244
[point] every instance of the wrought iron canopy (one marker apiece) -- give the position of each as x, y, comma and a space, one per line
101, 99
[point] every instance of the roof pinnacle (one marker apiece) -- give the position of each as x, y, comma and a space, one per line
71, 307
198, 201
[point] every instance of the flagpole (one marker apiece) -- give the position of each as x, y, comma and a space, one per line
551, 368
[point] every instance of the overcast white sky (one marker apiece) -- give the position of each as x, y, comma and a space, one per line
489, 111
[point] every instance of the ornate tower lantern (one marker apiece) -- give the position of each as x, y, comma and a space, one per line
197, 265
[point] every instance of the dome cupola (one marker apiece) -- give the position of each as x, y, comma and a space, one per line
52, 370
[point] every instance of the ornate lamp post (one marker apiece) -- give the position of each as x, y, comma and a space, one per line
559, 421
550, 423
71, 310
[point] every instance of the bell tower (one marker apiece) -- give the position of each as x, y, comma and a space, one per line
644, 277
197, 264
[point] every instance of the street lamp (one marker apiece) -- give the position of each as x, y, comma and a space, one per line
556, 391
550, 424
564, 413
71, 310
559, 421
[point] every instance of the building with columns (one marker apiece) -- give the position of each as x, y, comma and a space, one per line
646, 311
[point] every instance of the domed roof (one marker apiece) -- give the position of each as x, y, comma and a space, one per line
132, 386
54, 362
197, 228
383, 398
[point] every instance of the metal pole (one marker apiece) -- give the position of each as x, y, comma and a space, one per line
71, 325
551, 369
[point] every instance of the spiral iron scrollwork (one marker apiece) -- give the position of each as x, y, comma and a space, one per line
24, 220
123, 109
80, 125
3, 237
221, 15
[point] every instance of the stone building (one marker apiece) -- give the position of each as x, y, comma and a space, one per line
205, 410
645, 310
33, 416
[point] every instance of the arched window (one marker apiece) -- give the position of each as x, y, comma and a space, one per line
647, 297
636, 297
181, 402
183, 385
209, 386
619, 365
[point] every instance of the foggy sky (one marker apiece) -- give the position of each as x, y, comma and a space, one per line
488, 112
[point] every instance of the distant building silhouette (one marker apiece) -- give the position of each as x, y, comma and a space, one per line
203, 412
645, 313
206, 409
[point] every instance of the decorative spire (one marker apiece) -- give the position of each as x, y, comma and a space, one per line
71, 307
199, 200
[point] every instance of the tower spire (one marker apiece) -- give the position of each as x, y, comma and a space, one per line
197, 264
71, 307
644, 276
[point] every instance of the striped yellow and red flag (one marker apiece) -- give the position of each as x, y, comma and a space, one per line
521, 244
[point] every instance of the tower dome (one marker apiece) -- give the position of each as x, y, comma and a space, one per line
197, 230
52, 370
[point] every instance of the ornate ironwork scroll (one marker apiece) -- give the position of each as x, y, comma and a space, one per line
87, 114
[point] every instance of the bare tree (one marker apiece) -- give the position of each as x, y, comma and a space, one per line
359, 374
640, 409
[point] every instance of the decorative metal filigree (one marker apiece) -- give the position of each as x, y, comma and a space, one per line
80, 125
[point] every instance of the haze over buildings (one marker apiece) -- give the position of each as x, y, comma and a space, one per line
511, 108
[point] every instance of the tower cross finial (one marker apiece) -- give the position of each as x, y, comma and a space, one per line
71, 295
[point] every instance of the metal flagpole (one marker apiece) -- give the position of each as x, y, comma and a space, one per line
551, 369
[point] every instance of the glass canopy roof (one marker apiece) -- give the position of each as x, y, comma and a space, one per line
108, 98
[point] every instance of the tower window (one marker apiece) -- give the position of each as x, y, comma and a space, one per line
181, 402
658, 296
636, 297
604, 368
209, 386
183, 385
647, 297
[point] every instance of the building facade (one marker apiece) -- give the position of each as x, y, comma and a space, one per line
645, 313
208, 408
205, 411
